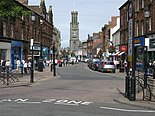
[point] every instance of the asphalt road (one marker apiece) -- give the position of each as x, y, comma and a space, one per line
77, 91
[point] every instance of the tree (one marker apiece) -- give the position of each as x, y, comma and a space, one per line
10, 10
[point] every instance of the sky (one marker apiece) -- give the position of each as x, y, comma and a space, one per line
92, 15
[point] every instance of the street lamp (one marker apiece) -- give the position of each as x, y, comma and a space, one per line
146, 15
54, 68
133, 78
32, 61
41, 47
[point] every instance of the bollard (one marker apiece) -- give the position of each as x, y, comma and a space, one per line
51, 67
7, 75
127, 87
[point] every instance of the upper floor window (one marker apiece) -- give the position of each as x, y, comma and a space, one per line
137, 5
142, 28
150, 24
12, 31
142, 1
4, 29
137, 28
22, 33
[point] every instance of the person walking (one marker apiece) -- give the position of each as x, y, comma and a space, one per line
18, 64
25, 67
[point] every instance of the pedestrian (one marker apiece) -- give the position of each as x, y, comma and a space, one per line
18, 64
21, 67
29, 66
25, 67
149, 68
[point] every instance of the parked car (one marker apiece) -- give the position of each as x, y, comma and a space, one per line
92, 61
107, 66
95, 65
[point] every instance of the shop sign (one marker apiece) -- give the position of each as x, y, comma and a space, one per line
123, 48
16, 44
152, 43
139, 41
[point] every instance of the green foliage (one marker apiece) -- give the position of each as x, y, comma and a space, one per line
10, 10
100, 53
72, 54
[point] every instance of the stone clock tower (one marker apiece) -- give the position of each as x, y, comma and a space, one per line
74, 32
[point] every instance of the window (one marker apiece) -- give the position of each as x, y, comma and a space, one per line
137, 27
150, 24
4, 29
142, 28
142, 4
12, 31
22, 34
137, 5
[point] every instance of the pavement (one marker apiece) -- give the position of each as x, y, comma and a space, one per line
24, 80
47, 74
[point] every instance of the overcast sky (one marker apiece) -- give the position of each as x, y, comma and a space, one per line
92, 15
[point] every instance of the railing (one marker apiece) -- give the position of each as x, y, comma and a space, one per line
8, 76
144, 91
145, 86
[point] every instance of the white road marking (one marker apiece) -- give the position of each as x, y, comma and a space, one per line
126, 110
66, 104
28, 102
54, 101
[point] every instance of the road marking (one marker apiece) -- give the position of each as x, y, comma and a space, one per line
126, 110
28, 102
54, 101
67, 104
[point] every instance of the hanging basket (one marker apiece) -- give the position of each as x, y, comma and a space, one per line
112, 49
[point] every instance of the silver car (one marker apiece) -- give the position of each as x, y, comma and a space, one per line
107, 66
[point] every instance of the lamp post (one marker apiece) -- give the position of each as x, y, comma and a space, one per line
146, 15
54, 68
32, 61
132, 95
41, 46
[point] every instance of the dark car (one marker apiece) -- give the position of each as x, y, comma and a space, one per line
92, 61
107, 66
95, 65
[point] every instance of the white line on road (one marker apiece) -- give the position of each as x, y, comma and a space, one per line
29, 102
67, 104
126, 110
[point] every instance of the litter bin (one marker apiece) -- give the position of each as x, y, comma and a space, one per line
40, 65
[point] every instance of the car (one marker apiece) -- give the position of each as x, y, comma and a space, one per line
107, 66
92, 61
95, 65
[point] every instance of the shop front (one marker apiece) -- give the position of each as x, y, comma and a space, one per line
151, 48
16, 52
5, 48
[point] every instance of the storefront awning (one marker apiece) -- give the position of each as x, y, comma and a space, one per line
116, 53
121, 53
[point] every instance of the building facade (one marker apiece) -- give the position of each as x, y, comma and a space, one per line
74, 32
16, 36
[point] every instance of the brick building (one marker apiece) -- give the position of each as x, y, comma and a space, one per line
16, 36
144, 27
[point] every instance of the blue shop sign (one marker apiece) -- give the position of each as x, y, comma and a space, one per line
139, 41
16, 44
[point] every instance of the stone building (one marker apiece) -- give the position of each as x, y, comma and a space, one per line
74, 32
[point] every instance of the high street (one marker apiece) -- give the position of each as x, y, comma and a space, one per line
75, 91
